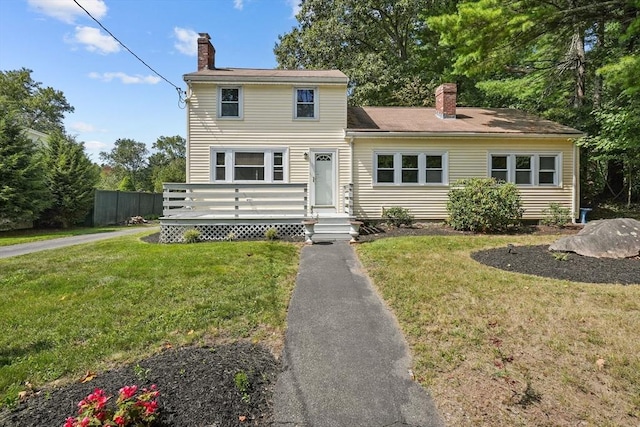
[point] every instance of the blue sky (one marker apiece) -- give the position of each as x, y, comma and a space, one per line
114, 95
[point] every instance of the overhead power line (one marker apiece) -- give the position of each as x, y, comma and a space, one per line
180, 91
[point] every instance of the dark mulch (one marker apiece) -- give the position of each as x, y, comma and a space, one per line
196, 384
539, 261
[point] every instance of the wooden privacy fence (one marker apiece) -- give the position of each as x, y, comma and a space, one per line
116, 207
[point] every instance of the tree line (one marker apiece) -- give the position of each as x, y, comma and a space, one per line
573, 61
52, 182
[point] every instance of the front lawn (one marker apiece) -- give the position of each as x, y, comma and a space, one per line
90, 307
500, 349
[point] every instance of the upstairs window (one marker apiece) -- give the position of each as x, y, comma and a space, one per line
230, 104
410, 168
526, 169
306, 103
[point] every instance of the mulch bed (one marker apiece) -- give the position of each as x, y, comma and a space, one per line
539, 261
196, 384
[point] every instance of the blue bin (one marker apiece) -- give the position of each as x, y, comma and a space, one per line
583, 214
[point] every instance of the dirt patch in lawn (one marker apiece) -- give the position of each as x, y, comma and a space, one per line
197, 387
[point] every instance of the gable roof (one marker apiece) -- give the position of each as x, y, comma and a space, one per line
472, 121
244, 75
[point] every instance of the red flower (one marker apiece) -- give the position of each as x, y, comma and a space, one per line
128, 392
85, 422
69, 422
119, 420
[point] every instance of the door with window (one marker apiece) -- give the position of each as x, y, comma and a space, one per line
323, 180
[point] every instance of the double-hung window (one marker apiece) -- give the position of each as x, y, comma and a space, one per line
526, 169
410, 168
305, 103
247, 165
230, 102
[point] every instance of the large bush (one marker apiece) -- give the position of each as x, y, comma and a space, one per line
484, 204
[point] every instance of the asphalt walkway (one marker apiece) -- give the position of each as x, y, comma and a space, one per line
43, 245
346, 362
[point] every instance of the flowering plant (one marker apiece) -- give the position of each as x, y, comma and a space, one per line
132, 409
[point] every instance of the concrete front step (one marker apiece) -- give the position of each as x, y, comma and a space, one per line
332, 228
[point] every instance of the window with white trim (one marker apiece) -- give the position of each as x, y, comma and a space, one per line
305, 103
410, 168
248, 165
230, 102
526, 169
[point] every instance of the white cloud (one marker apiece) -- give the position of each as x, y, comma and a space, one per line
295, 7
186, 41
95, 145
67, 11
238, 4
83, 127
94, 41
126, 78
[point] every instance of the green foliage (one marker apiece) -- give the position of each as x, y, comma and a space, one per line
41, 108
241, 380
191, 236
168, 163
271, 233
385, 49
556, 216
23, 192
483, 204
128, 158
397, 216
71, 178
126, 184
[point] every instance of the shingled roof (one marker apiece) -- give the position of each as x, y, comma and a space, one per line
270, 75
467, 121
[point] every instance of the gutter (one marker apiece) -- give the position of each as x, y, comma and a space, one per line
498, 135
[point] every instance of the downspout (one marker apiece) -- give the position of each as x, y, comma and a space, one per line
353, 187
576, 182
188, 144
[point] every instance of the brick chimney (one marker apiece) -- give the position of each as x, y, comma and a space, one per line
446, 101
206, 53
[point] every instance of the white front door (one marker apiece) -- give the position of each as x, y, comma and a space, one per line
323, 170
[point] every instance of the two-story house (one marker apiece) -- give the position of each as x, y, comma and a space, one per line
270, 148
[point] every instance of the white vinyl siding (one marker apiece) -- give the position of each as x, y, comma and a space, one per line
267, 123
537, 169
466, 158
410, 168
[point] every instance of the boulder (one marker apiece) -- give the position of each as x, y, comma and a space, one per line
608, 238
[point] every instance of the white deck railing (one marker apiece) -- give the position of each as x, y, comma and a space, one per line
243, 201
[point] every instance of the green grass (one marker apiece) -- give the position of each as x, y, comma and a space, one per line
92, 306
485, 340
34, 235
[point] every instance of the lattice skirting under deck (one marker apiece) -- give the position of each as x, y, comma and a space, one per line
174, 233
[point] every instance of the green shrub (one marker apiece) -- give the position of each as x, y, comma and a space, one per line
556, 216
397, 216
271, 233
484, 204
191, 236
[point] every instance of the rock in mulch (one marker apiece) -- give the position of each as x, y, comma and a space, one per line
197, 388
610, 238
538, 261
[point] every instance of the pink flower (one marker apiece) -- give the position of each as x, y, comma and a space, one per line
119, 420
128, 392
85, 422
69, 422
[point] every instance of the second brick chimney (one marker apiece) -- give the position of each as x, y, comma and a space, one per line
206, 53
446, 101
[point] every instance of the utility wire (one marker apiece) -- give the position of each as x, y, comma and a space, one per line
179, 90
